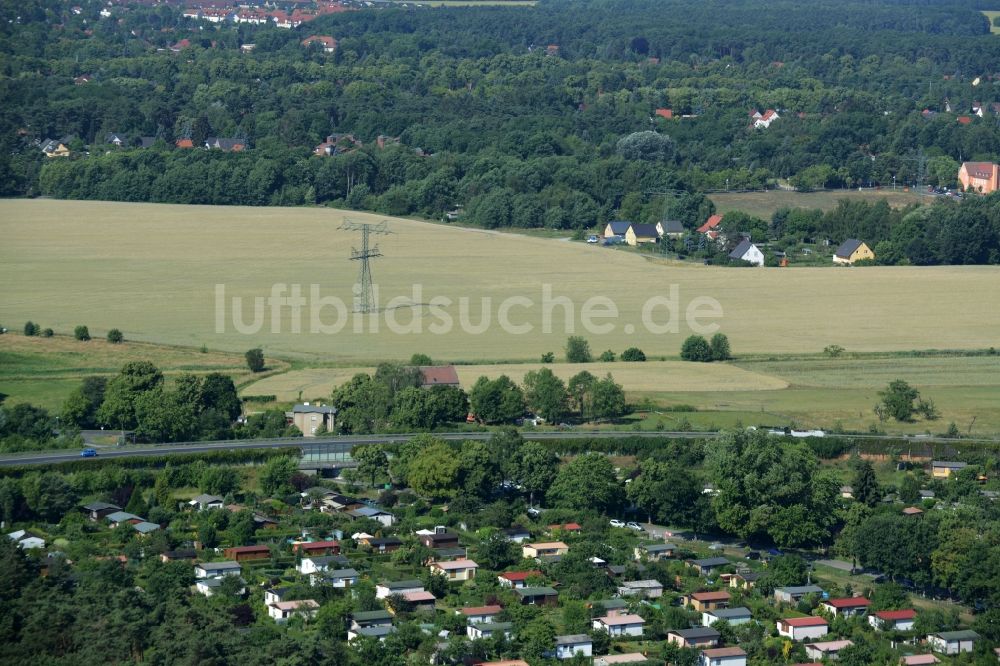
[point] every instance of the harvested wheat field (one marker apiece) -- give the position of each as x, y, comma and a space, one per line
158, 272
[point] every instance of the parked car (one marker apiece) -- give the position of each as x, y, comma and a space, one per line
88, 453
617, 523
591, 239
716, 546
635, 526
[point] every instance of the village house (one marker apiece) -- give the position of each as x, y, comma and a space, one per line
420, 600
942, 469
380, 516
457, 570
308, 566
620, 625
919, 660
217, 569
376, 618
569, 646
703, 637
982, 177
537, 596
310, 548
209, 586
643, 589
893, 620
119, 517
638, 233
56, 148
568, 528
99, 510
748, 252
385, 589
489, 630
666, 114
655, 552
517, 534
852, 250
846, 607
339, 578
517, 579
176, 555
828, 650
710, 228
26, 540
744, 580
243, 553
205, 502
670, 229
705, 601
145, 527
725, 656
312, 419
913, 511
439, 538
383, 545
617, 228
438, 375
337, 144
329, 44
707, 565
764, 120
734, 616
615, 659
953, 642
794, 594
544, 549
377, 632
803, 628
227, 145
281, 611
480, 614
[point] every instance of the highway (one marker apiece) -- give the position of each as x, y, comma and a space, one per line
344, 443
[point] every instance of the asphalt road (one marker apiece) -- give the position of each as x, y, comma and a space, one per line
346, 442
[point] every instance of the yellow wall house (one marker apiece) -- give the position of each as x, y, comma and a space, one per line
544, 549
456, 570
641, 233
852, 250
942, 469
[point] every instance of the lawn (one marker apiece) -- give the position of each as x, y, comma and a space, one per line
152, 271
992, 15
764, 204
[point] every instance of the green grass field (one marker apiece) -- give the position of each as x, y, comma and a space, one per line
992, 15
152, 271
764, 204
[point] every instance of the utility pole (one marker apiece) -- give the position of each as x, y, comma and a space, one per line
364, 302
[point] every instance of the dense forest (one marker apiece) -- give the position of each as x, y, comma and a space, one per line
524, 116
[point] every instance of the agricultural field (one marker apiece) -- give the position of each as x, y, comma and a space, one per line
764, 204
158, 273
43, 371
992, 15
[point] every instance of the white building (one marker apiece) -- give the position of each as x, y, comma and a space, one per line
725, 656
803, 628
569, 646
620, 625
281, 611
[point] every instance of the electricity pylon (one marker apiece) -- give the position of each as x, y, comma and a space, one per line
364, 302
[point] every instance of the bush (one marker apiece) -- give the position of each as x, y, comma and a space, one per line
47, 332
30, 328
696, 348
421, 359
720, 347
255, 359
115, 336
548, 357
577, 350
81, 333
633, 354
607, 356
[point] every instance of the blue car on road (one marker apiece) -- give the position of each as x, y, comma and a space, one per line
88, 453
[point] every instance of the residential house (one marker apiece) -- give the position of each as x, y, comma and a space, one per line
748, 252
310, 548
310, 419
385, 589
655, 551
25, 540
99, 510
615, 659
145, 527
942, 469
744, 580
667, 114
803, 628
852, 250
243, 553
337, 144
281, 611
177, 555
643, 589
224, 144
919, 660
620, 625
670, 228
569, 646
734, 616
913, 511
340, 578
380, 516
438, 375
480, 614
982, 177
328, 43
115, 139
319, 564
638, 233
846, 607
893, 620
537, 596
384, 545
710, 228
953, 642
420, 600
725, 656
489, 630
705, 601
517, 534
792, 595
209, 586
568, 528
544, 549
457, 570
217, 569
376, 618
440, 538
377, 632
701, 637
116, 518
847, 492
446, 554
54, 148
764, 120
517, 579
184, 142
617, 228
707, 565
206, 502
826, 649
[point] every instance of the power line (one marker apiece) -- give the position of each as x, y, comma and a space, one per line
364, 302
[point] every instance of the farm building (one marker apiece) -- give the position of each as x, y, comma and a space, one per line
438, 375
852, 250
982, 177
641, 233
